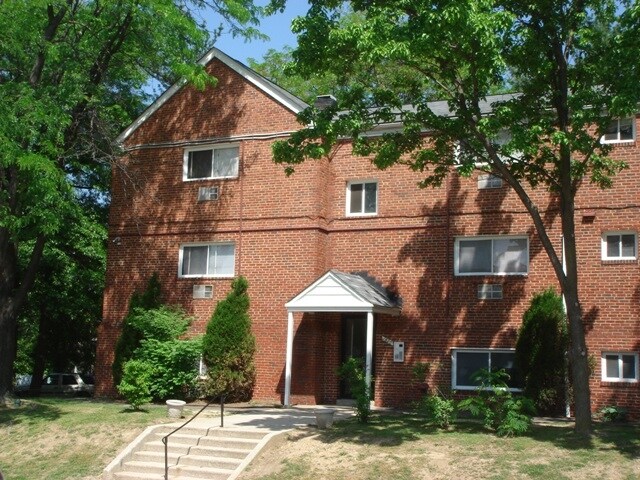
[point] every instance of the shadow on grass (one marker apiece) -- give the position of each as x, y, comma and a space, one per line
30, 412
624, 438
396, 429
387, 430
133, 410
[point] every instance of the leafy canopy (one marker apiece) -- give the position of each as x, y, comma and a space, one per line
465, 51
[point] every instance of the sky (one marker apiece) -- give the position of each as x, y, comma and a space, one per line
277, 27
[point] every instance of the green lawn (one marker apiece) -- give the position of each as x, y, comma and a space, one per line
60, 439
402, 447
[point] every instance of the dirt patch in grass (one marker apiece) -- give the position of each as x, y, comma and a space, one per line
404, 448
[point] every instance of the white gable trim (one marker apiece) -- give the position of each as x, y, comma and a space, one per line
330, 294
288, 100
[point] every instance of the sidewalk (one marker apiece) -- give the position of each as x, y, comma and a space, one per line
267, 418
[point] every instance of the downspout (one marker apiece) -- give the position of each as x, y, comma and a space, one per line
241, 175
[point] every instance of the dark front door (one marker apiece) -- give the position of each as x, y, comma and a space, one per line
354, 343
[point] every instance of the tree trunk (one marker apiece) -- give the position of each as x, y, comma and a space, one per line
7, 346
8, 325
13, 293
578, 354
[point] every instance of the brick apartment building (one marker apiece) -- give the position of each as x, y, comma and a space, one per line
344, 259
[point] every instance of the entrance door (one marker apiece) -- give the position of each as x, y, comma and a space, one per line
354, 343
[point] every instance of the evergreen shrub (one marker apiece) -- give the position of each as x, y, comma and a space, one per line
541, 352
229, 347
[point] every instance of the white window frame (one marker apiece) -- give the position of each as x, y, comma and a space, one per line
456, 255
604, 245
489, 351
201, 148
619, 379
348, 211
502, 138
205, 244
618, 140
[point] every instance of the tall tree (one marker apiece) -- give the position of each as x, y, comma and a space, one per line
279, 67
574, 62
57, 326
72, 72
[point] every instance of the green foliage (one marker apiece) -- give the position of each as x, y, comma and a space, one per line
573, 63
496, 405
165, 362
171, 366
352, 371
57, 326
420, 370
139, 324
150, 298
229, 346
130, 335
150, 339
73, 75
438, 410
541, 351
613, 413
135, 384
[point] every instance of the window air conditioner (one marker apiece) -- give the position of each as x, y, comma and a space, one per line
208, 193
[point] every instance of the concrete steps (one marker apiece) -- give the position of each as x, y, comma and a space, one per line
193, 453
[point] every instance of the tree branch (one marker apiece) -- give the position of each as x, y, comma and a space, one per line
49, 33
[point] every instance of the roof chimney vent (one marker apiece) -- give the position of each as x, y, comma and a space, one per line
324, 101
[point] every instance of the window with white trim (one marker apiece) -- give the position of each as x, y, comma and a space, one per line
500, 255
463, 152
362, 198
467, 362
620, 130
619, 246
211, 162
619, 367
207, 260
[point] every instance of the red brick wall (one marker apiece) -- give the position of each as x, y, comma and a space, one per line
289, 231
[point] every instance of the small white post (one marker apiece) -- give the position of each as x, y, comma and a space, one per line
369, 357
287, 368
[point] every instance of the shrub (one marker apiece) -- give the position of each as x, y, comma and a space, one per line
438, 410
540, 352
229, 346
162, 323
135, 385
497, 407
165, 363
352, 371
131, 335
612, 413
171, 364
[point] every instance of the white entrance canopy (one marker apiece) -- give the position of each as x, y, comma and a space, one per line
337, 291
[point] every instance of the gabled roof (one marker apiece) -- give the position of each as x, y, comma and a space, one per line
337, 291
276, 92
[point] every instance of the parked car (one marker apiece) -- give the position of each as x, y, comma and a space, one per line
61, 384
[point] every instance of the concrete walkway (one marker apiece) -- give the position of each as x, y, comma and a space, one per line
273, 419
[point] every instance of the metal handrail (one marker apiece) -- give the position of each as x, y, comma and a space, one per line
165, 439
